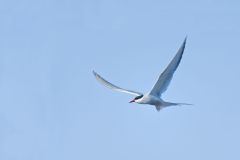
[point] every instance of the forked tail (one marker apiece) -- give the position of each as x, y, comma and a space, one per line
167, 104
180, 104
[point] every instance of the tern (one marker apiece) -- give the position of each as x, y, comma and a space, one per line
154, 96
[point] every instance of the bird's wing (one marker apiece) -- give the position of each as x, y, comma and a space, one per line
166, 76
113, 87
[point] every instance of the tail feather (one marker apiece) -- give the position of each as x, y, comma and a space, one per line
167, 104
175, 104
180, 104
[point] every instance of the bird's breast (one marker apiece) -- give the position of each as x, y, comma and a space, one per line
149, 99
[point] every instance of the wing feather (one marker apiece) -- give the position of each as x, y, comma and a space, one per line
114, 87
166, 76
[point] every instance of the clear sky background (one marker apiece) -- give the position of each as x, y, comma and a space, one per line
51, 107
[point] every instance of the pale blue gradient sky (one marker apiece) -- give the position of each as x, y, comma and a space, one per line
51, 107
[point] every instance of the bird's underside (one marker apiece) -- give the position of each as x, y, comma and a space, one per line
154, 96
157, 102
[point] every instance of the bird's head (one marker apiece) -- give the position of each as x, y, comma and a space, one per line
136, 98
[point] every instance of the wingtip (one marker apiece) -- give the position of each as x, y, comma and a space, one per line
185, 39
94, 73
184, 42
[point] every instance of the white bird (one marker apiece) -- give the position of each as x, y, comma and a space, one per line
154, 96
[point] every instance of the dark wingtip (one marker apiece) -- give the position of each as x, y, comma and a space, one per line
95, 73
185, 40
184, 43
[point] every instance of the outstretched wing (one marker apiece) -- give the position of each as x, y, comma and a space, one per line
166, 77
113, 87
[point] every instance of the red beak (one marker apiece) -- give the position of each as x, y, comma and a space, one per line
132, 101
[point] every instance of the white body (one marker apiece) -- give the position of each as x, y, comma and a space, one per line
154, 96
156, 101
149, 99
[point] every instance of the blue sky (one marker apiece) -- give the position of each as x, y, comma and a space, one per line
52, 107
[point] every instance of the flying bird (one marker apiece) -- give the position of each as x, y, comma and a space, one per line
154, 96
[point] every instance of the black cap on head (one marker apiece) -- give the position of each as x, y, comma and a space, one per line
138, 97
